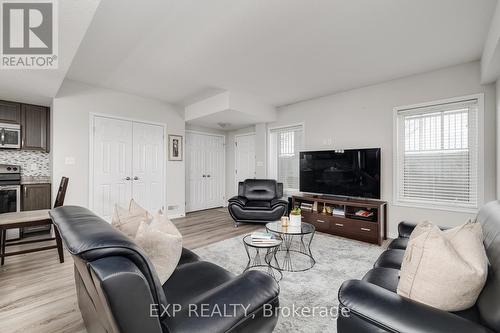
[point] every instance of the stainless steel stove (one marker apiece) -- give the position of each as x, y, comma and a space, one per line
10, 193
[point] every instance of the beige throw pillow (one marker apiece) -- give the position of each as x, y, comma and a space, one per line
128, 220
162, 242
444, 269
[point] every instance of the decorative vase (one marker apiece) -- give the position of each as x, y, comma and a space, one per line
295, 220
284, 221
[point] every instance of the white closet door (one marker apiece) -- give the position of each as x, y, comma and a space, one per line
214, 171
204, 171
111, 167
245, 158
195, 165
148, 160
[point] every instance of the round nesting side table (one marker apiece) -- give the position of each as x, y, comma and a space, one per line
260, 256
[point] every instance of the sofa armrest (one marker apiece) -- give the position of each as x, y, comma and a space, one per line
391, 312
122, 286
240, 291
405, 228
276, 202
242, 201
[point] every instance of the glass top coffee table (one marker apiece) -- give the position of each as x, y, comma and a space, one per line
260, 255
294, 254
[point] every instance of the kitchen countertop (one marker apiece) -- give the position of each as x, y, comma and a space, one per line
27, 180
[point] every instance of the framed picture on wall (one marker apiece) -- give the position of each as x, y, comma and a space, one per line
175, 148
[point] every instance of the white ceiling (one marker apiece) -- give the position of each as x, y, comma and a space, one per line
281, 50
39, 86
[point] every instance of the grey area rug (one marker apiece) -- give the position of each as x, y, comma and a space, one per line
337, 259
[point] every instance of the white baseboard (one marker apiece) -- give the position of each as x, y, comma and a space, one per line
176, 216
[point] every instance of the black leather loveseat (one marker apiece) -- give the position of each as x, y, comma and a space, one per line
258, 201
118, 289
374, 305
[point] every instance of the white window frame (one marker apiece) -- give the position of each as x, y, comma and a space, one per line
286, 191
480, 157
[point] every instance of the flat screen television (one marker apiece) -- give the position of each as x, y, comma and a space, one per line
349, 172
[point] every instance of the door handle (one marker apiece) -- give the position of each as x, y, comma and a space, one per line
3, 136
136, 178
25, 191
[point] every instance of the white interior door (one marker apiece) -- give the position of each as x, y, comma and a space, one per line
214, 171
245, 158
195, 165
147, 166
205, 162
112, 167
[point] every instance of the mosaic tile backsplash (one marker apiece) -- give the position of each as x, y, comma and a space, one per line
33, 163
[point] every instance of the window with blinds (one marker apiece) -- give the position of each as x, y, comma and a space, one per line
284, 146
437, 155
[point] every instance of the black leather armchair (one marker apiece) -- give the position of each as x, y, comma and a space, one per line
372, 304
119, 292
258, 201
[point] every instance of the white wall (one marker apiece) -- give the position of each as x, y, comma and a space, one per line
70, 130
202, 129
260, 150
364, 118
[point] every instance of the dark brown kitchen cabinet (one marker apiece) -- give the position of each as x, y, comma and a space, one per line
35, 196
35, 127
10, 112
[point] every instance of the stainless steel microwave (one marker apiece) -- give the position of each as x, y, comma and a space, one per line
10, 136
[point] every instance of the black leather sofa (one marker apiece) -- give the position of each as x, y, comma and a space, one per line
258, 201
374, 306
118, 289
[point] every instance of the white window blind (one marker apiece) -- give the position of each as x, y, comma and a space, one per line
285, 145
437, 155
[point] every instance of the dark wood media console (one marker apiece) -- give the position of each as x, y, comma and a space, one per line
341, 218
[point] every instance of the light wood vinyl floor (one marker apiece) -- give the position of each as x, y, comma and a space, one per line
37, 293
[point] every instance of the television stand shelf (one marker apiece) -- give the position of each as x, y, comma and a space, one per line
360, 219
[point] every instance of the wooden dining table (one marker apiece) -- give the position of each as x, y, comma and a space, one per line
27, 219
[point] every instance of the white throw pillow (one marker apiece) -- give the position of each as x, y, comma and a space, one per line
162, 242
128, 221
444, 269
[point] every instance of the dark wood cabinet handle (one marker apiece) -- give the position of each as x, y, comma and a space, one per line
320, 221
366, 229
339, 224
